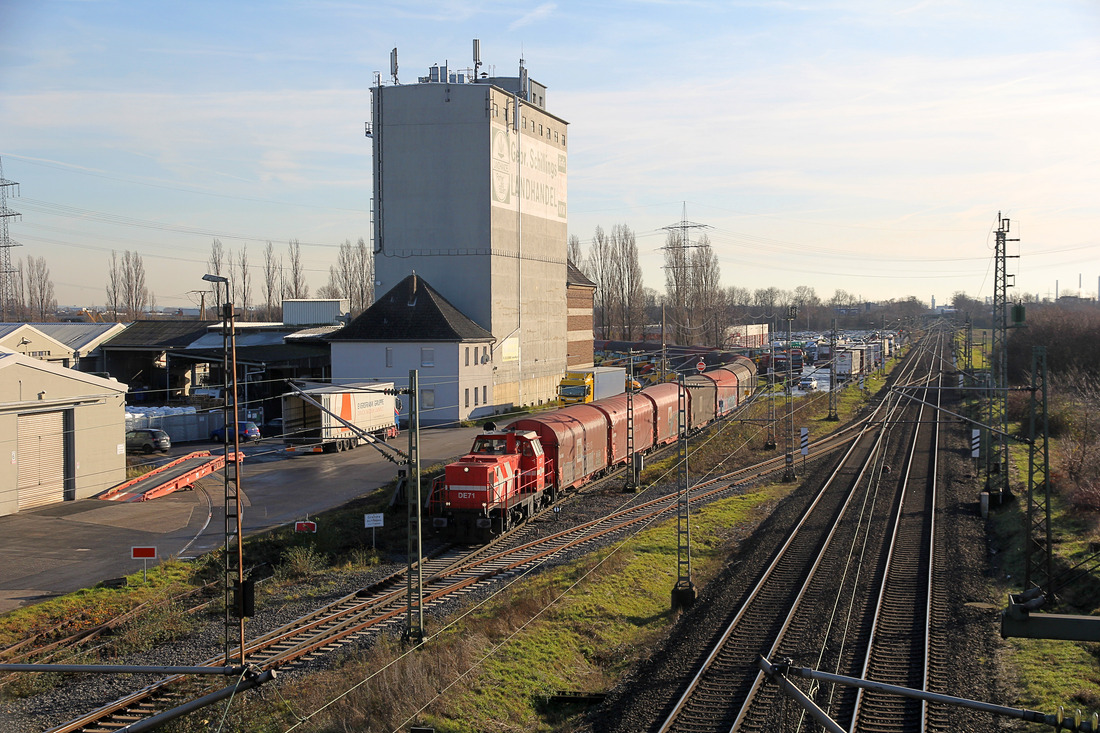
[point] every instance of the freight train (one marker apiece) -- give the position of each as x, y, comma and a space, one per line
510, 474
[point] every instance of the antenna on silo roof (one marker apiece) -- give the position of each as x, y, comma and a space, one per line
393, 64
477, 57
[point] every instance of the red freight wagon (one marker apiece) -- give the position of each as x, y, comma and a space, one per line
746, 373
726, 383
575, 441
666, 404
702, 397
615, 410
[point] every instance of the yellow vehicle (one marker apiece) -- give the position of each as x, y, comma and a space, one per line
595, 383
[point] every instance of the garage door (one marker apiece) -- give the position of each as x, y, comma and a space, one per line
41, 459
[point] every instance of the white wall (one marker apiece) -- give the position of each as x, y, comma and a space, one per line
447, 377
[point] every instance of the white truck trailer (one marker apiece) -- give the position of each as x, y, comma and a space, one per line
329, 418
847, 364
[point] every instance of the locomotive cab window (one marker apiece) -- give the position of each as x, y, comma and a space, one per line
490, 445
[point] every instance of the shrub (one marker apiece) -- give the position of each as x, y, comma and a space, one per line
299, 562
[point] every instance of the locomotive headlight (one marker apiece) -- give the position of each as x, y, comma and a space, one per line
465, 469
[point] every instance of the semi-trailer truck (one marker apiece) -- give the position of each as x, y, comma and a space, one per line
328, 418
587, 385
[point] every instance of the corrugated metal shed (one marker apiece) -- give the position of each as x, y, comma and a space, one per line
314, 311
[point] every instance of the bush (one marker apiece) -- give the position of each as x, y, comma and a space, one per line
361, 557
1086, 496
300, 562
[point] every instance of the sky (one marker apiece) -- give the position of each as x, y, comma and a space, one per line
862, 145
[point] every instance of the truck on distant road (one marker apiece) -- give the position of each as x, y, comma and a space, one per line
587, 385
329, 418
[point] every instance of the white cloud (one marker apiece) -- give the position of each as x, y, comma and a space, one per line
537, 15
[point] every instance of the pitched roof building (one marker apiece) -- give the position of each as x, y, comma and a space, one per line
414, 327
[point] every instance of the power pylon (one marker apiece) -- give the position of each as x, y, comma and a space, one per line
8, 309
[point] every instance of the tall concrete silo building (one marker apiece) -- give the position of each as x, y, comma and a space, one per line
470, 193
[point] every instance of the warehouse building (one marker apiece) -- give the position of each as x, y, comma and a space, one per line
64, 430
470, 193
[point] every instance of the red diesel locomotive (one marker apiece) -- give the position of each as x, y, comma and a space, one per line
509, 474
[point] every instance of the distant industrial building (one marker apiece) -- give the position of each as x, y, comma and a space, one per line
470, 193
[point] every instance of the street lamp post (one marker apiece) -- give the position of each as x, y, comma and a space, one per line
238, 603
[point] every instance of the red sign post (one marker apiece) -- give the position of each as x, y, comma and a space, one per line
701, 365
305, 527
145, 554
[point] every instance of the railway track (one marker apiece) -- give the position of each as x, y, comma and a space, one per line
815, 600
899, 650
454, 572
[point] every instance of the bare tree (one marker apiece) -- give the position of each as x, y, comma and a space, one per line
738, 304
216, 266
677, 285
135, 295
628, 300
765, 301
362, 290
40, 297
18, 306
805, 299
114, 286
598, 270
242, 284
273, 291
296, 286
573, 251
343, 275
331, 289
707, 301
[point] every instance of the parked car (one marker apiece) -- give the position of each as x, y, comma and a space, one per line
147, 440
273, 428
246, 431
808, 384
